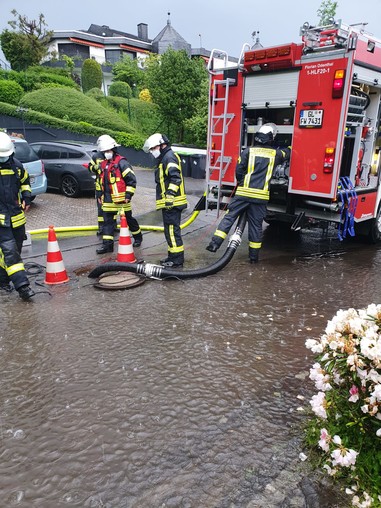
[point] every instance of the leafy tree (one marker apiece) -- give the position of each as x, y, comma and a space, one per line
92, 76
128, 70
120, 89
174, 81
27, 44
326, 11
196, 128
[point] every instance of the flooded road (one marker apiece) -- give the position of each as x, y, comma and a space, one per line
174, 393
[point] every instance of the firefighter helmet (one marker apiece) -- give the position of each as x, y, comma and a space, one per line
6, 145
266, 133
106, 142
156, 139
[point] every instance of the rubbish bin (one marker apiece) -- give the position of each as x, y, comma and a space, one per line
197, 164
185, 164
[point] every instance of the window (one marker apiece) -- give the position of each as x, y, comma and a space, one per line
74, 50
24, 153
74, 154
49, 152
113, 55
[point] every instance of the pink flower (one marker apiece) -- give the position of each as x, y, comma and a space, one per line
354, 392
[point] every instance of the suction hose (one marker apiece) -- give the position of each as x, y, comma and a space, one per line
159, 272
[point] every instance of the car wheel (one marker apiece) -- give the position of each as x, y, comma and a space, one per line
70, 186
375, 229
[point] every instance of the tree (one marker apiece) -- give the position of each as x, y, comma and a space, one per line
174, 81
91, 76
27, 44
326, 11
128, 70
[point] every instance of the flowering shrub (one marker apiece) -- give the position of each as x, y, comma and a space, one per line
347, 375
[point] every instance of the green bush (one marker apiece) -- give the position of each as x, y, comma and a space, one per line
92, 76
33, 78
120, 89
95, 93
144, 116
59, 102
124, 138
10, 91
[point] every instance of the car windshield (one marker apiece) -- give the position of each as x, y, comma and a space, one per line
25, 153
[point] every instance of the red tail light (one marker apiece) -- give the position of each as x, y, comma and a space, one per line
85, 165
338, 84
42, 167
329, 159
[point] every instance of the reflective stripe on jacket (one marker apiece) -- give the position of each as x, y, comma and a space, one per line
254, 170
169, 180
118, 183
14, 188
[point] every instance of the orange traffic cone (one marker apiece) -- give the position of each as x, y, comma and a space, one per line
125, 249
55, 269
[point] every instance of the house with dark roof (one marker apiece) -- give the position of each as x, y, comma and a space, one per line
107, 45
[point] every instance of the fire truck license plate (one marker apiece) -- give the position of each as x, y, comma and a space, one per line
311, 118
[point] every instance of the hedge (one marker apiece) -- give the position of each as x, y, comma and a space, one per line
10, 91
124, 138
74, 106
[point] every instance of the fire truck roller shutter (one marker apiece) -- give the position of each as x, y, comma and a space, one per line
367, 76
276, 90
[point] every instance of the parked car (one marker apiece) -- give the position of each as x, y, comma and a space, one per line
66, 165
35, 167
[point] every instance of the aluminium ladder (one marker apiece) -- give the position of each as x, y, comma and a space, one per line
217, 162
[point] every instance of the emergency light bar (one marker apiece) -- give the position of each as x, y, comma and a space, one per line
278, 57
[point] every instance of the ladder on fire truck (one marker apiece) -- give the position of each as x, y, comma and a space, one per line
216, 162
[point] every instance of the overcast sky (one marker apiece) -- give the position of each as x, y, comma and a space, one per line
221, 24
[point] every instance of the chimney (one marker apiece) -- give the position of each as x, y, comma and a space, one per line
143, 31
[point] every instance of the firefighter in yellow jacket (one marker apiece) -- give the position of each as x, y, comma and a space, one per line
95, 168
15, 198
118, 184
170, 195
253, 173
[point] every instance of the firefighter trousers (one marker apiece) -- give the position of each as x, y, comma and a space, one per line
256, 213
109, 225
11, 265
172, 233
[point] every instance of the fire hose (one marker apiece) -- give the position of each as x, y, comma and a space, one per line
153, 271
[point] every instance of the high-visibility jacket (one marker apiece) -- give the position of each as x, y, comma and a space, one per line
169, 180
14, 188
118, 183
254, 171
95, 167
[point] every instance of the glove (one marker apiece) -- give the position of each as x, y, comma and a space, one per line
169, 199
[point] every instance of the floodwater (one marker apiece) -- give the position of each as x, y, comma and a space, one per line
180, 394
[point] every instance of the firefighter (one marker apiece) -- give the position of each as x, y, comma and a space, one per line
253, 172
95, 167
118, 184
170, 196
15, 199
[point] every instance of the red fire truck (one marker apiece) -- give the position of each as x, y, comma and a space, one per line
324, 96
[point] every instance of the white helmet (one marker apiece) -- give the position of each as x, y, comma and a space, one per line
266, 134
106, 142
6, 145
268, 128
156, 139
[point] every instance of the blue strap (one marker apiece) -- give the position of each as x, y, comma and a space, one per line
349, 199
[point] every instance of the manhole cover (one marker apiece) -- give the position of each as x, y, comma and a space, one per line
119, 280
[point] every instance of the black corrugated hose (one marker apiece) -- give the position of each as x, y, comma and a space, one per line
159, 272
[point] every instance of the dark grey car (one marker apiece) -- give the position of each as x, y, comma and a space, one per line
66, 165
